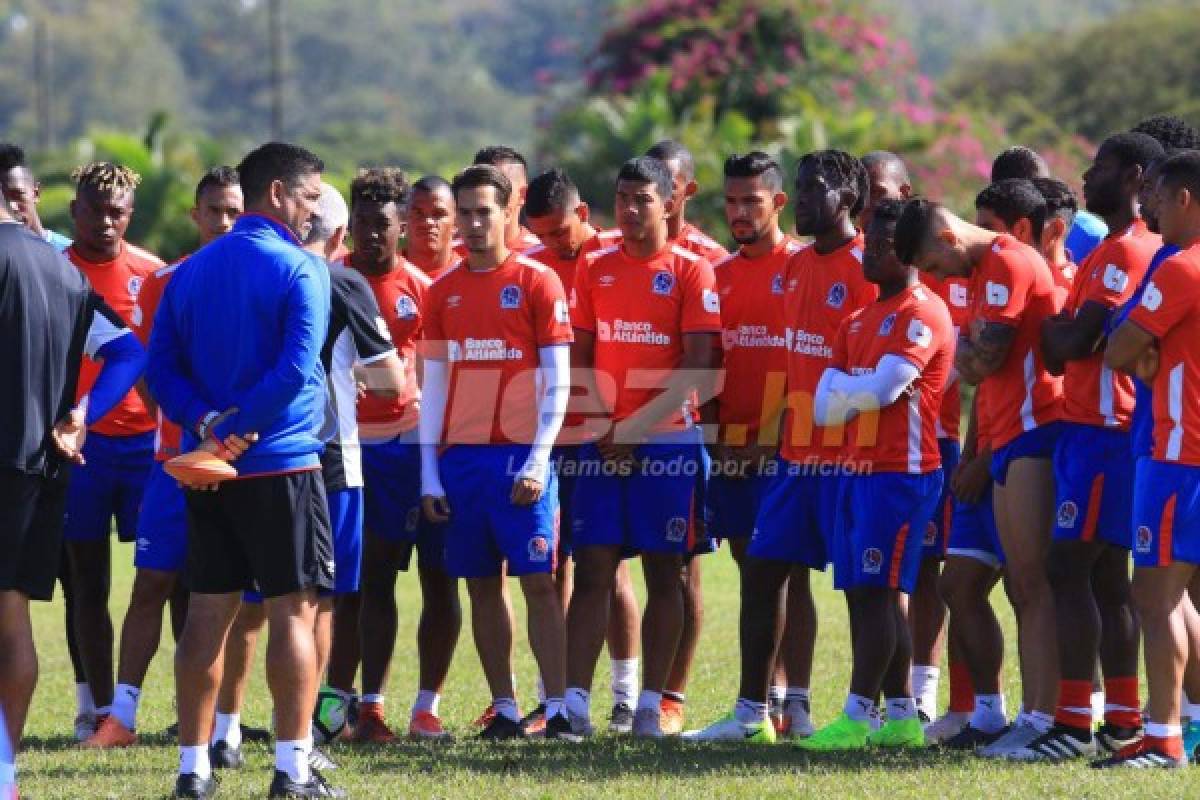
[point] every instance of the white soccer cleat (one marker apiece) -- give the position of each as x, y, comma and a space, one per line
1017, 741
728, 729
947, 726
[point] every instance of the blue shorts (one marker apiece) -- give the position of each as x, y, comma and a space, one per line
973, 532
1037, 443
878, 519
936, 536
1166, 514
732, 503
109, 485
392, 501
704, 541
797, 516
346, 518
1093, 484
566, 466
162, 524
649, 509
486, 530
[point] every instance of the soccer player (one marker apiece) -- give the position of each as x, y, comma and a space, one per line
1093, 473
429, 232
395, 529
496, 387
504, 158
162, 519
23, 193
235, 360
890, 363
823, 284
647, 318
1086, 231
44, 435
1012, 292
1156, 342
1061, 209
120, 450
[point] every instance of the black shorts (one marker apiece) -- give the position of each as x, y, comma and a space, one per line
269, 534
32, 510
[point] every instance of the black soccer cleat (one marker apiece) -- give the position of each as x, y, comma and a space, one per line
223, 755
283, 786
192, 787
1115, 738
559, 727
621, 719
501, 727
970, 738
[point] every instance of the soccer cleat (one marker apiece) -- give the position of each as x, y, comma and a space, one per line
1191, 740
1060, 743
318, 760
841, 734
620, 720
223, 755
898, 733
946, 727
534, 722
671, 716
797, 719
1019, 736
501, 727
647, 724
1115, 738
425, 725
371, 727
193, 787
729, 729
283, 786
559, 727
969, 738
85, 725
1141, 755
110, 734
485, 719
582, 726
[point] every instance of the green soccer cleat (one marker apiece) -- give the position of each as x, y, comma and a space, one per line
730, 730
841, 734
898, 733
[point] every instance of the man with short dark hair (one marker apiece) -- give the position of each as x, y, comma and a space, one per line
235, 360
23, 193
429, 226
514, 167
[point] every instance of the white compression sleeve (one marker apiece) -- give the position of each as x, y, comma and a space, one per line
429, 427
555, 369
841, 397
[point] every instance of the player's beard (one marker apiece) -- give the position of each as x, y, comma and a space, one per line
755, 235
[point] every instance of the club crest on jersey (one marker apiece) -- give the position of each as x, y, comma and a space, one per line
1143, 539
931, 533
510, 296
837, 295
539, 549
1068, 512
134, 286
663, 283
676, 529
405, 307
888, 325
872, 560
777, 283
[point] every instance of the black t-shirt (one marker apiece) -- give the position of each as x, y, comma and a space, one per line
49, 317
357, 335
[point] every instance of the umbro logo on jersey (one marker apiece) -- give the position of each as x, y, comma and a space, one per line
777, 284
676, 529
453, 301
1068, 512
837, 295
663, 283
406, 308
510, 296
888, 325
872, 560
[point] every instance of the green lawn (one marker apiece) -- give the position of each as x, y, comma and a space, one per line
51, 766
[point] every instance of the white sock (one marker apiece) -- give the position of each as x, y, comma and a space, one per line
989, 715
506, 707
125, 705
1098, 706
578, 702
859, 708
194, 761
228, 729
426, 701
1162, 731
925, 688
748, 712
541, 690
292, 758
899, 708
650, 700
776, 696
1040, 720
624, 680
84, 702
555, 708
373, 699
797, 694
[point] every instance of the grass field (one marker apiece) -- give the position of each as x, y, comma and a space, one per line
51, 765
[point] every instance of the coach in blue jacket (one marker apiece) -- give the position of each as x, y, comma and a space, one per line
234, 358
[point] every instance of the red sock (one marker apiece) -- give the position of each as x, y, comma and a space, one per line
1121, 706
1170, 745
962, 693
1074, 704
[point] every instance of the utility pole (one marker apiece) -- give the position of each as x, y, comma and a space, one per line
41, 84
275, 24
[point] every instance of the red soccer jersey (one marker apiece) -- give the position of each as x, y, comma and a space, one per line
1092, 393
640, 310
118, 282
566, 268
1170, 311
400, 295
1013, 285
753, 338
914, 325
819, 291
525, 242
690, 238
955, 294
168, 436
489, 326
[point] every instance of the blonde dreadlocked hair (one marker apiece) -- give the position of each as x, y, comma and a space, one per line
106, 177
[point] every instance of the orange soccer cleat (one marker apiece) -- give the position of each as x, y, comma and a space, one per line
109, 734
371, 726
425, 725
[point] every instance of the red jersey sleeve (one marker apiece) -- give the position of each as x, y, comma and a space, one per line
1170, 296
148, 299
701, 307
919, 334
1117, 277
1004, 288
551, 316
840, 348
583, 315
